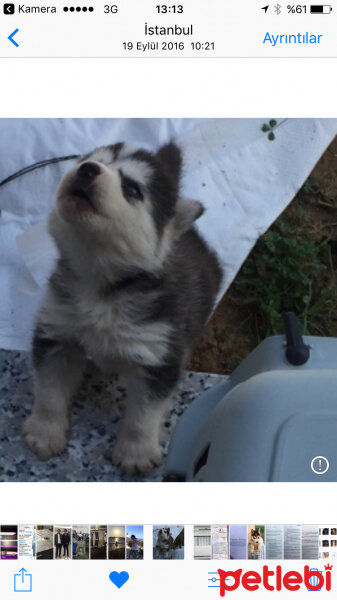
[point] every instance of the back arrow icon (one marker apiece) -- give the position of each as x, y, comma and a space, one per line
265, 8
11, 37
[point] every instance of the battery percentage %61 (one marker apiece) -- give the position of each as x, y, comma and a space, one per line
318, 9
296, 8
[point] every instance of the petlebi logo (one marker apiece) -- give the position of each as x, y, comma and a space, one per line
275, 579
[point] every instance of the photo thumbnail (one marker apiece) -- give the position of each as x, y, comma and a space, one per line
81, 544
8, 542
274, 542
134, 542
98, 542
168, 542
327, 542
62, 542
292, 542
238, 536
27, 541
116, 541
256, 542
44, 542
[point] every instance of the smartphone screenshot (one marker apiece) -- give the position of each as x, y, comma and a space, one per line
168, 299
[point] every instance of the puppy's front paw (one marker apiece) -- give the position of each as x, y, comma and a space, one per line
45, 438
136, 457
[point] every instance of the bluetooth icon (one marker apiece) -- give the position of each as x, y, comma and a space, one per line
277, 9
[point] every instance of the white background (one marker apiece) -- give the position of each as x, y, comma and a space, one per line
172, 88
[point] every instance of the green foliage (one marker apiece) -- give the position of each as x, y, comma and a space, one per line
268, 127
179, 541
289, 271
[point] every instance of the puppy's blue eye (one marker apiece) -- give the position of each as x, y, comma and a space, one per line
131, 189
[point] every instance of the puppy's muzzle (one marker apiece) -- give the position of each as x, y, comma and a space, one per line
87, 172
83, 180
81, 186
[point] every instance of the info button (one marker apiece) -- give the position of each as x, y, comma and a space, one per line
320, 465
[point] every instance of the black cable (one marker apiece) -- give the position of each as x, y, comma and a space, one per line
38, 165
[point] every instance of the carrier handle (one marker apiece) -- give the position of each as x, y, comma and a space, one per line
297, 352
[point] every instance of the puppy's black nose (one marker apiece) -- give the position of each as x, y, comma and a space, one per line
89, 170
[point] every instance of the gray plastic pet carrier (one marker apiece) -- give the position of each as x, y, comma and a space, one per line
273, 419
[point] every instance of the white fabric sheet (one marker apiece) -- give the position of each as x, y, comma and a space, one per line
244, 180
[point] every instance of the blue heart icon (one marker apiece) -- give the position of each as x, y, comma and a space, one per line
119, 578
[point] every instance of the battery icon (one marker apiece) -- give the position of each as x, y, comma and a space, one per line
320, 9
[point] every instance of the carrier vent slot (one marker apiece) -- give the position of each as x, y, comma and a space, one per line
202, 460
172, 477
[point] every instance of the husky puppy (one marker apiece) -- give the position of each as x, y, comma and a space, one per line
255, 540
164, 543
133, 288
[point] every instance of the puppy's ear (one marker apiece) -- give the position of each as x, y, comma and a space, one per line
168, 530
171, 160
187, 211
258, 530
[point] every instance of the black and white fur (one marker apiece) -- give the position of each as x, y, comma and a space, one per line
164, 543
133, 288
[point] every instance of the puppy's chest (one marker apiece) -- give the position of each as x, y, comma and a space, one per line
116, 328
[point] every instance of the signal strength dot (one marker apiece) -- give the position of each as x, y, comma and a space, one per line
78, 8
